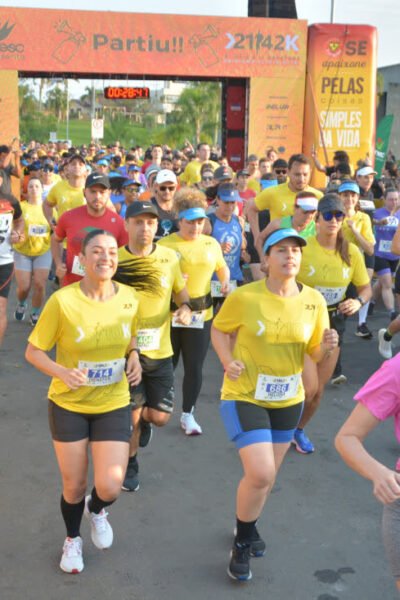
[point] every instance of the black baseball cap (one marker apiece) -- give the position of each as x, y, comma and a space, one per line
330, 202
223, 174
140, 208
97, 179
243, 172
74, 156
280, 163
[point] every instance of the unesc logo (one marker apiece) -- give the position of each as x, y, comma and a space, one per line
9, 49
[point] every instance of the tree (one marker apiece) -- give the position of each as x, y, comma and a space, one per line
27, 100
57, 102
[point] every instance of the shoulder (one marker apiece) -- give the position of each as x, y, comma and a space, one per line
164, 254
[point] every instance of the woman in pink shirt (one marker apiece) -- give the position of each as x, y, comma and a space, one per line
377, 400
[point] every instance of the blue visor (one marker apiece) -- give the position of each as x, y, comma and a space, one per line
349, 186
282, 234
103, 162
229, 196
193, 213
267, 183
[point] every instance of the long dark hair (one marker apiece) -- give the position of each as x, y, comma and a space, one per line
342, 246
141, 274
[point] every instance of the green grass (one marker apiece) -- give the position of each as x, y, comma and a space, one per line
80, 130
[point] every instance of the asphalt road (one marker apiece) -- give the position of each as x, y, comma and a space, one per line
173, 536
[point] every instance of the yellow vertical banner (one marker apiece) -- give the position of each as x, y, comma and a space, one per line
9, 114
340, 107
276, 107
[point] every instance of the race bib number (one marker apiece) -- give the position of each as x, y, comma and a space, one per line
77, 268
385, 246
196, 322
148, 339
332, 295
392, 221
103, 373
276, 389
216, 288
38, 230
367, 204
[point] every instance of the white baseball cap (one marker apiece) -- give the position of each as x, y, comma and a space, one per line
166, 176
366, 171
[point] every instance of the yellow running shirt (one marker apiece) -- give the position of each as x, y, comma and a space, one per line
279, 200
63, 197
37, 231
153, 335
363, 226
191, 174
273, 334
92, 335
199, 259
325, 271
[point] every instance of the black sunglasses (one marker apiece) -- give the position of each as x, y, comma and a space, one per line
328, 216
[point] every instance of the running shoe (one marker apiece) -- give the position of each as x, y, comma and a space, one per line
34, 318
101, 530
239, 565
71, 559
257, 544
385, 347
363, 331
146, 433
190, 425
338, 379
20, 310
131, 481
302, 443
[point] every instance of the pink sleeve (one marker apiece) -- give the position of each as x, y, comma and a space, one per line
381, 393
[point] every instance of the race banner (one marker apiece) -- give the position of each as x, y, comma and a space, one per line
383, 132
340, 92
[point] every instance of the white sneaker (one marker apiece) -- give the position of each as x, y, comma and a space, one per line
385, 348
71, 560
189, 424
101, 530
338, 379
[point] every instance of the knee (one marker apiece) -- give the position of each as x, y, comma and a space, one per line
74, 491
109, 490
262, 480
159, 419
39, 286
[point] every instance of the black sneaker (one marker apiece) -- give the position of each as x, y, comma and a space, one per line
257, 546
363, 331
146, 433
131, 481
239, 565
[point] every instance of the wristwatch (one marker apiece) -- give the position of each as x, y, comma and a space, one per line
361, 300
127, 355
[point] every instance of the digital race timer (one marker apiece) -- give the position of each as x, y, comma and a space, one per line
127, 93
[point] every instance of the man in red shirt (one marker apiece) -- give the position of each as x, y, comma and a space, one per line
75, 224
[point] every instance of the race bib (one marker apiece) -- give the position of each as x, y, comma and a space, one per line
103, 373
77, 268
367, 204
276, 389
392, 221
216, 288
247, 227
38, 230
332, 295
385, 246
148, 339
196, 322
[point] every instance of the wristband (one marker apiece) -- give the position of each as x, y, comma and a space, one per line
127, 355
361, 301
186, 304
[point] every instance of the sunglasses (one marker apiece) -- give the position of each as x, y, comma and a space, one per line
164, 188
207, 178
132, 189
281, 171
328, 216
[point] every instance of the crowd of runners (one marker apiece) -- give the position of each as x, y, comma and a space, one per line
126, 260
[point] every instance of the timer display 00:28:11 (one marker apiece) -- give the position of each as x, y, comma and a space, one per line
127, 93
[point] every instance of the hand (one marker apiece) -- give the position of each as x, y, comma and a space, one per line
16, 237
226, 247
330, 340
350, 306
225, 288
183, 315
387, 486
61, 270
351, 224
133, 369
74, 378
234, 369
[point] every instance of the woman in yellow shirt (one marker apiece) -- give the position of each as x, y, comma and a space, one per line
200, 256
92, 323
329, 264
32, 255
357, 229
262, 334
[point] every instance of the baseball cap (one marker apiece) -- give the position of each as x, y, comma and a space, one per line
282, 234
151, 170
133, 168
72, 157
349, 186
366, 171
35, 166
330, 202
97, 179
166, 176
140, 208
243, 172
129, 182
102, 162
223, 173
280, 163
307, 202
227, 192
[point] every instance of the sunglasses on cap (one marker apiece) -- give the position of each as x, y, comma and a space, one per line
164, 188
328, 216
280, 171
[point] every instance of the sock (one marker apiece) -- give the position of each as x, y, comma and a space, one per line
22, 302
96, 504
386, 336
35, 311
244, 531
363, 313
72, 515
132, 459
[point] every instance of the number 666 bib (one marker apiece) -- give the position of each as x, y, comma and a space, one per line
276, 389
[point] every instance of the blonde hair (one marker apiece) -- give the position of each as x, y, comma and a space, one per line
189, 198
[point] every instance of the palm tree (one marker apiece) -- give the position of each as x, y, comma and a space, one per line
199, 107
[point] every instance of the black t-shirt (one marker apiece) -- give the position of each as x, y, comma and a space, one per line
167, 221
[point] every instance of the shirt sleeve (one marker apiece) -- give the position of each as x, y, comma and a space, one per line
51, 196
380, 395
61, 227
366, 229
263, 199
229, 316
47, 329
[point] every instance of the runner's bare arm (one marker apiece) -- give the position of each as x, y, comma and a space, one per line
73, 378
